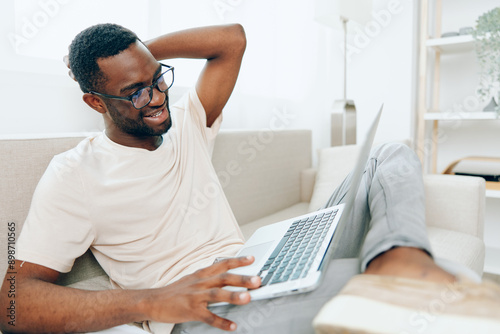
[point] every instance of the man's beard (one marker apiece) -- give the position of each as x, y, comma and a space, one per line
137, 127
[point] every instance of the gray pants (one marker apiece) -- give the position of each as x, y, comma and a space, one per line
389, 211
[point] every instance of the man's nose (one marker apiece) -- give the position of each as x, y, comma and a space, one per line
158, 97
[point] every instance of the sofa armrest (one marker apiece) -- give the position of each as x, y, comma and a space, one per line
307, 180
455, 203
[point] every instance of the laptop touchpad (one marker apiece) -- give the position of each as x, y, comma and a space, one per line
259, 252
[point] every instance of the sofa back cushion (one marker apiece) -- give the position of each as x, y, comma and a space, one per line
260, 170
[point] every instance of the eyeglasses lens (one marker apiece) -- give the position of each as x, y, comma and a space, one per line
165, 81
142, 97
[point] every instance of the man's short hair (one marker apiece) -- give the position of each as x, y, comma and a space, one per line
99, 41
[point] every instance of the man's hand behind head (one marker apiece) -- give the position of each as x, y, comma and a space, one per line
66, 61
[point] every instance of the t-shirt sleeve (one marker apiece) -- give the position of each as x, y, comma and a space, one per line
190, 109
57, 229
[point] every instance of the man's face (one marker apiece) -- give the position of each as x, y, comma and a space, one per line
140, 124
127, 72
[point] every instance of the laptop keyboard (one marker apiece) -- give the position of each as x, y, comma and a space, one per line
295, 253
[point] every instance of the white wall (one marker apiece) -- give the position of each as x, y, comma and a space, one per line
292, 66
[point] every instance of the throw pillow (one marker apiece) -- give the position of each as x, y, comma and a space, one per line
334, 164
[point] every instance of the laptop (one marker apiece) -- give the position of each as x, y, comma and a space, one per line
292, 255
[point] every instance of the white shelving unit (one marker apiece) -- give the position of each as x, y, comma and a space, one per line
453, 44
492, 193
430, 116
453, 116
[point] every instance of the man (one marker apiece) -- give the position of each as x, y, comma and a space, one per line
123, 194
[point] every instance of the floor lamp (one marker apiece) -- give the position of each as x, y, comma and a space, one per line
336, 14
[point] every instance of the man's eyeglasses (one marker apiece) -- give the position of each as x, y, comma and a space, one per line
143, 96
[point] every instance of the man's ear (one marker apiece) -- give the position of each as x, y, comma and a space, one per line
95, 102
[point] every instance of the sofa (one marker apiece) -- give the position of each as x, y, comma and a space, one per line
267, 176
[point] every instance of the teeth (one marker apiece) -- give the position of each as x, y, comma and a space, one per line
156, 114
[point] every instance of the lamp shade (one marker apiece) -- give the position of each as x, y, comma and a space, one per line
329, 12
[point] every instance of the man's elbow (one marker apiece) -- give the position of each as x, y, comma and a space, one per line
239, 39
4, 330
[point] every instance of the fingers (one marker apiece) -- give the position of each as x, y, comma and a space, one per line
217, 275
66, 62
227, 264
228, 296
71, 75
227, 279
216, 321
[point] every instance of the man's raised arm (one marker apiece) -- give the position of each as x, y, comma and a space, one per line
222, 46
42, 307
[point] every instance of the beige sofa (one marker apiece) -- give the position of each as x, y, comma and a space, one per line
267, 176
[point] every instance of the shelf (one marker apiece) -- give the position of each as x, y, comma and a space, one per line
493, 189
453, 116
492, 261
492, 193
461, 43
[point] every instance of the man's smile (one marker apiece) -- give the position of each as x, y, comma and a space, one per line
156, 116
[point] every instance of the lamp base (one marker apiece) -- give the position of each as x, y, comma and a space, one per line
343, 123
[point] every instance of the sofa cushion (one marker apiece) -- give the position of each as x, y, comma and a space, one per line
458, 247
334, 163
86, 274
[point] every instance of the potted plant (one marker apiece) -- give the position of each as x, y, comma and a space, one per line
487, 37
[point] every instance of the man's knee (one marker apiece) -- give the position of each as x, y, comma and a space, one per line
393, 150
402, 159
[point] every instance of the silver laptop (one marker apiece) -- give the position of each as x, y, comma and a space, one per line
291, 256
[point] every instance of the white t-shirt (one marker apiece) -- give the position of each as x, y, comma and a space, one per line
149, 217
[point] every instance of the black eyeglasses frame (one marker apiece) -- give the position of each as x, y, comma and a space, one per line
153, 86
